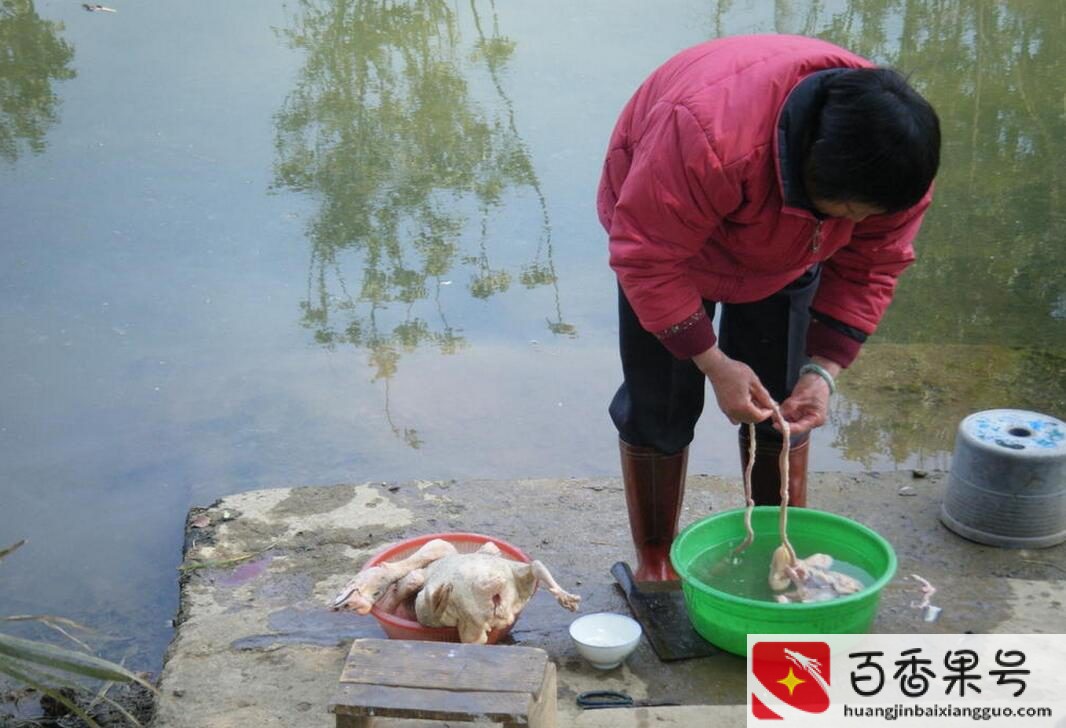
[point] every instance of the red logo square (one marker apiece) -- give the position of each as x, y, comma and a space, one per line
796, 673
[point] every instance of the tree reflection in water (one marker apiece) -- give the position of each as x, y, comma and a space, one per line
32, 56
384, 132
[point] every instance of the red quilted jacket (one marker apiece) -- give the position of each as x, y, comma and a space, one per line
693, 198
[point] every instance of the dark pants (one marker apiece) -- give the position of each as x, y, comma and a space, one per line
661, 397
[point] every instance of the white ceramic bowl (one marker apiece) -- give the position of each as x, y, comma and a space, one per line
605, 639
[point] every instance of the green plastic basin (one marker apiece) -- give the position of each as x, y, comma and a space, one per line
726, 620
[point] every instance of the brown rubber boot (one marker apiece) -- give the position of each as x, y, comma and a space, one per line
654, 485
766, 476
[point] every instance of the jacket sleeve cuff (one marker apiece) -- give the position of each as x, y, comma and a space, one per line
692, 336
823, 340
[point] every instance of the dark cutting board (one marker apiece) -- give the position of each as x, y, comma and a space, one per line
659, 606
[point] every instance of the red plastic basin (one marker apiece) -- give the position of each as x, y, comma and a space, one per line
399, 627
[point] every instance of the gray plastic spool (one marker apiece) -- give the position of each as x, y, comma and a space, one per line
1007, 485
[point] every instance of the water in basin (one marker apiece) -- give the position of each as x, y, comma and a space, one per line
746, 575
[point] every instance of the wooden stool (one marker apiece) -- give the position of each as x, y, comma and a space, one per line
445, 681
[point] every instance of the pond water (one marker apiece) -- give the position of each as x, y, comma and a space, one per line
253, 244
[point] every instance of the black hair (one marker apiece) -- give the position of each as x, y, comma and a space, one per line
877, 141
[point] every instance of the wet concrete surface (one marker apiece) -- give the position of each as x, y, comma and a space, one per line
256, 643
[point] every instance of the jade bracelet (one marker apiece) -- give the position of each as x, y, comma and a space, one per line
821, 372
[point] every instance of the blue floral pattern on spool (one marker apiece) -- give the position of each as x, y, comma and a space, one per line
1017, 429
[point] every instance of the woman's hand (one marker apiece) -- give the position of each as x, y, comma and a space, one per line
808, 405
740, 394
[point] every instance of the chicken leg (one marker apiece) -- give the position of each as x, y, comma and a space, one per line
370, 585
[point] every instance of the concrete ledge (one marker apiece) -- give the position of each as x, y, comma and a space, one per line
256, 645
686, 716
